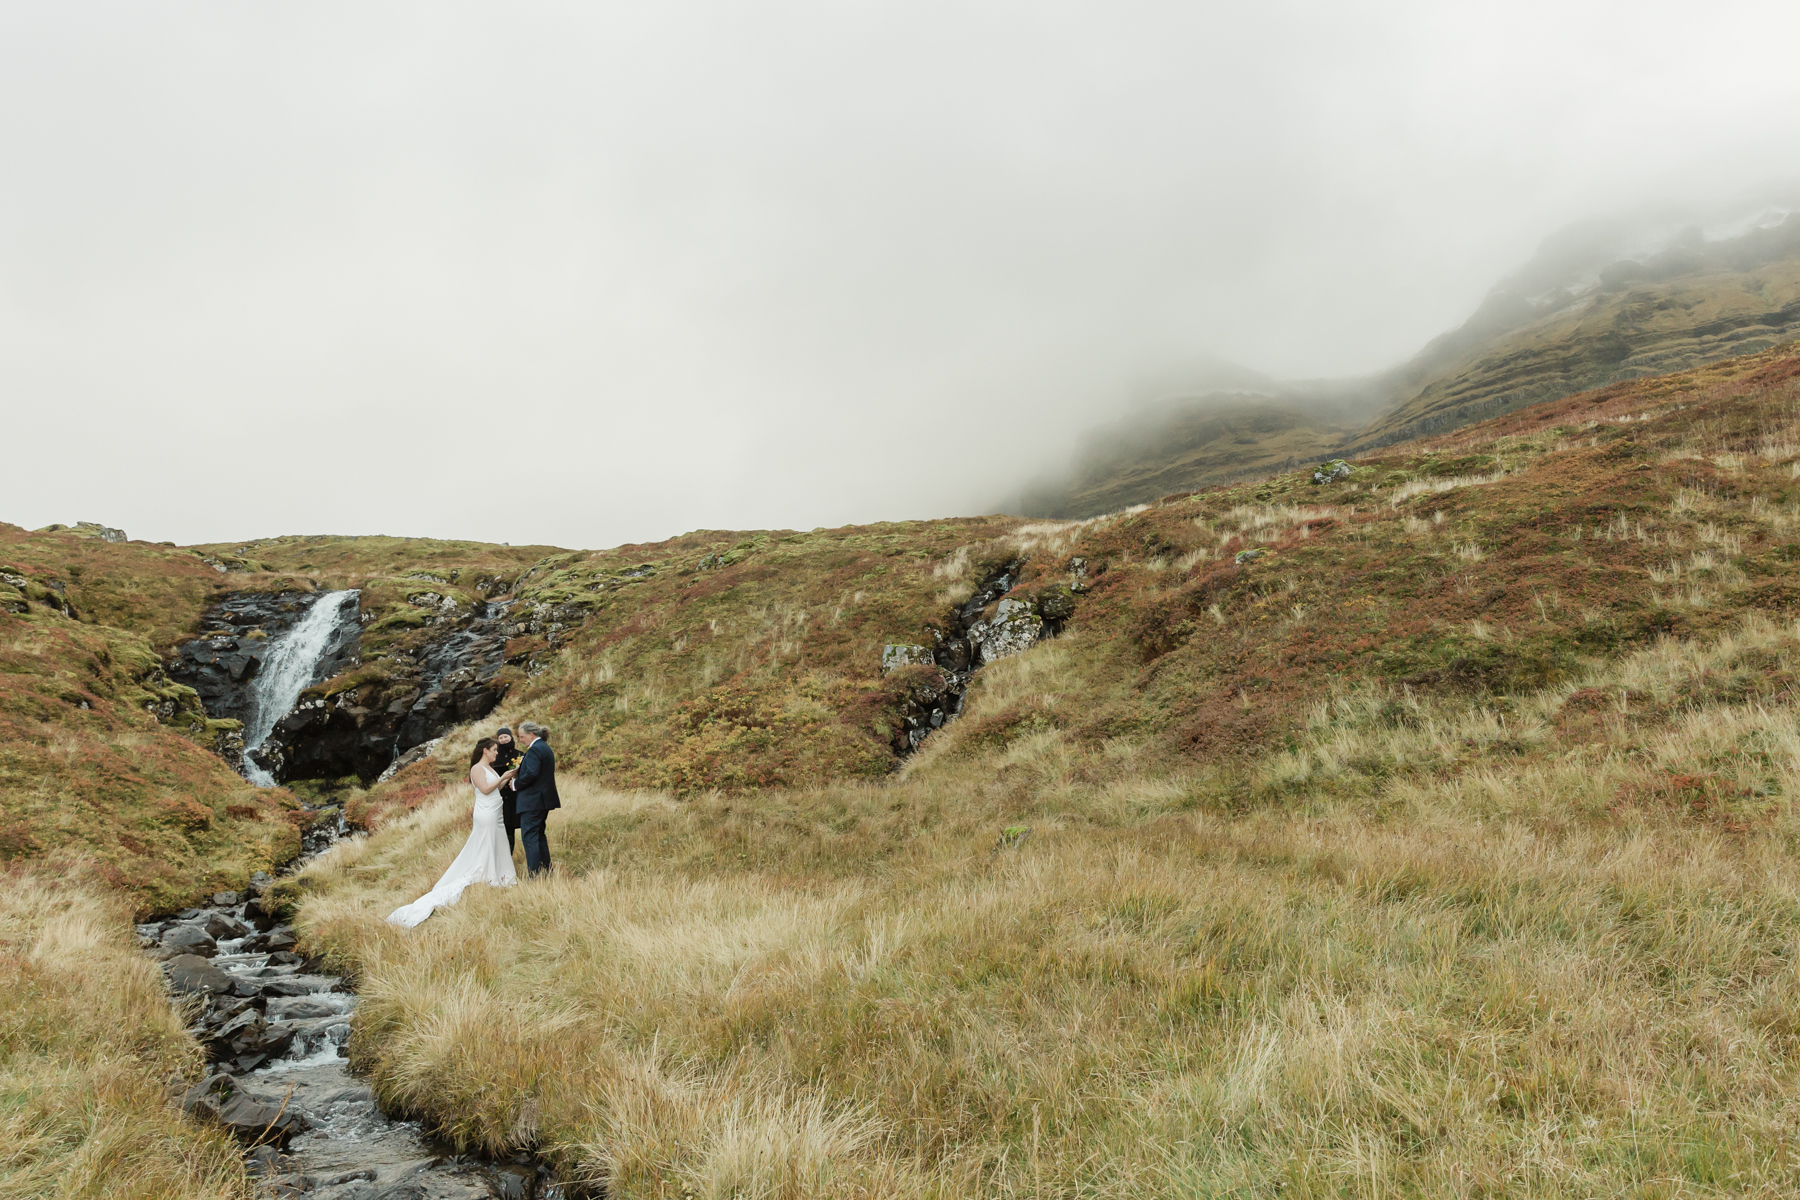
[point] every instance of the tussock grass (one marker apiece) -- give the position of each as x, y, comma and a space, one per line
1441, 947
88, 1045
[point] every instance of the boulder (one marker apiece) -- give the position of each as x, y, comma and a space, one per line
222, 926
190, 975
896, 656
1014, 629
259, 883
259, 917
281, 939
190, 939
1331, 472
225, 899
254, 1117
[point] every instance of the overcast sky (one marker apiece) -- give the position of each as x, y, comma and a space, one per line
596, 273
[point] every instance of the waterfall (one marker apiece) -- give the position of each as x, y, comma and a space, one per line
285, 673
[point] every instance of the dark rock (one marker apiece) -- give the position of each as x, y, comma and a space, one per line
259, 883
223, 927
290, 1185
220, 663
259, 917
262, 1159
192, 975
297, 985
253, 1117
247, 1063
447, 681
280, 939
246, 987
285, 958
513, 1182
298, 1008
1056, 603
190, 939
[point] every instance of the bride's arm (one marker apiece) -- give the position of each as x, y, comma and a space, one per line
475, 778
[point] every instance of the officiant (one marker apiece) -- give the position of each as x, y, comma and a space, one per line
508, 758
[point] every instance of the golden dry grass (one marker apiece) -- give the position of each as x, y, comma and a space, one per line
89, 1046
1439, 948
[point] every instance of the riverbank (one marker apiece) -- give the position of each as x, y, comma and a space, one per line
88, 1048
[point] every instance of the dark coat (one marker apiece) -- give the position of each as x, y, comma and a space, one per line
536, 779
507, 758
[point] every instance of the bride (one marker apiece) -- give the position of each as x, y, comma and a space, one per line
485, 857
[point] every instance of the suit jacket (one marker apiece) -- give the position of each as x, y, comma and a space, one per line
536, 780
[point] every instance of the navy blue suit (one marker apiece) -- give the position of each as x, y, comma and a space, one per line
536, 787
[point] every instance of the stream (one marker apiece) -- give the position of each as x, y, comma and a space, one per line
276, 1026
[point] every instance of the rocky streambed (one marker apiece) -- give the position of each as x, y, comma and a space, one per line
276, 1026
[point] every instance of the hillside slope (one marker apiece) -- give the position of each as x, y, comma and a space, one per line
1591, 308
1429, 832
105, 763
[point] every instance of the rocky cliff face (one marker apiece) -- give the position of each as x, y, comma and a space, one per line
358, 722
236, 635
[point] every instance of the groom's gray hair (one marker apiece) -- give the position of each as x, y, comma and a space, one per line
534, 729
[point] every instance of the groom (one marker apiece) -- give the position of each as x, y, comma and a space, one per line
536, 786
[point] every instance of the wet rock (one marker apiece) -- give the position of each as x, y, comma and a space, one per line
190, 939
223, 927
251, 1116
191, 975
296, 1008
279, 940
448, 681
221, 662
514, 1182
366, 1175
259, 917
297, 985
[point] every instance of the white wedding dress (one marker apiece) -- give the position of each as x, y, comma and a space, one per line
485, 857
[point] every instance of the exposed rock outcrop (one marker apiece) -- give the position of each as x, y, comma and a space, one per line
358, 724
987, 627
237, 634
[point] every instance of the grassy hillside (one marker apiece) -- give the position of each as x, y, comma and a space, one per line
89, 1045
103, 759
1444, 847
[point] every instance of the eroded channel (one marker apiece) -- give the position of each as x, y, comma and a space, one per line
276, 1027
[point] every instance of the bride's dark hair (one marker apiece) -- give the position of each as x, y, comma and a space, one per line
482, 745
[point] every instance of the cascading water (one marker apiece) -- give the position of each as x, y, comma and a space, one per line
286, 672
